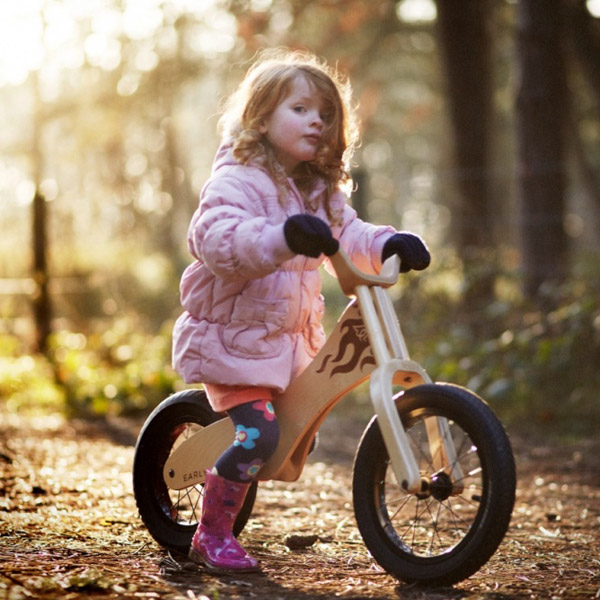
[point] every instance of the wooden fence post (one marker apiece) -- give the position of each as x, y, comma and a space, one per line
42, 310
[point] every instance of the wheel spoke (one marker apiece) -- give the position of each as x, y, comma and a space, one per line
436, 531
455, 516
421, 448
402, 501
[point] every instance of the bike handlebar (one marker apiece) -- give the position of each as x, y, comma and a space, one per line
350, 277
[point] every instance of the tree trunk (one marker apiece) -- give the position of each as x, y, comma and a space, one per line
42, 312
41, 299
41, 304
466, 52
585, 36
541, 117
583, 32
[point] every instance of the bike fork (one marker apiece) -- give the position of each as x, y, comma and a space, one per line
394, 365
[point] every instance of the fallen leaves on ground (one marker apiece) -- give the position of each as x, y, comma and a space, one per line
69, 525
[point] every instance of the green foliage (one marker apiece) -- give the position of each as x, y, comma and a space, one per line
26, 381
537, 364
119, 371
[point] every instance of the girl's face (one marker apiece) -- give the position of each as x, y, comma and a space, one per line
295, 128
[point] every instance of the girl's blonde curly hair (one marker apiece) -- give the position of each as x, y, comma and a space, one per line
265, 86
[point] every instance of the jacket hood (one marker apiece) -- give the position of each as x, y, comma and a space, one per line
224, 157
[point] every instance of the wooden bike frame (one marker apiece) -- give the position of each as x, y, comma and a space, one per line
366, 343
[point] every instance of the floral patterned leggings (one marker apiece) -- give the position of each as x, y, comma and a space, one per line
256, 439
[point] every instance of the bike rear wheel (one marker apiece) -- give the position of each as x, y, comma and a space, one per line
171, 516
443, 534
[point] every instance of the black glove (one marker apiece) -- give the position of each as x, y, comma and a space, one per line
309, 236
410, 248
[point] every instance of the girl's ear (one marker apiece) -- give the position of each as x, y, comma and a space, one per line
262, 127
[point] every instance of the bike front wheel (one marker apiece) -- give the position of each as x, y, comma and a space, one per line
448, 530
171, 516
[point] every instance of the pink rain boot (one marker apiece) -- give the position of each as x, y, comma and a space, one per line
214, 544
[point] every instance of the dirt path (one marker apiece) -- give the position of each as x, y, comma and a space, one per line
69, 525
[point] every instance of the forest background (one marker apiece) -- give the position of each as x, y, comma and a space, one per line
480, 131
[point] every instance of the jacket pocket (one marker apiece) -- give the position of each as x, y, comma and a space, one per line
256, 328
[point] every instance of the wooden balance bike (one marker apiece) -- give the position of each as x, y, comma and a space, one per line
433, 478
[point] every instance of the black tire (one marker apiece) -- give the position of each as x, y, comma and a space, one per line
171, 516
434, 537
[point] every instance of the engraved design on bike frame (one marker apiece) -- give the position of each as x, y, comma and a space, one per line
356, 338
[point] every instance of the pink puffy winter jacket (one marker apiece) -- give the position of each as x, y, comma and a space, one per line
253, 308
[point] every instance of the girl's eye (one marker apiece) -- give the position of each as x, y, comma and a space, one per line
299, 109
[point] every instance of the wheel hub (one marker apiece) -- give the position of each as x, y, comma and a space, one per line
439, 486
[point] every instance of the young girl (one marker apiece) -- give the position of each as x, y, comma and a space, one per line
269, 215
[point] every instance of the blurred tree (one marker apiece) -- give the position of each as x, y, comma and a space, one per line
41, 303
583, 32
541, 119
465, 42
42, 308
